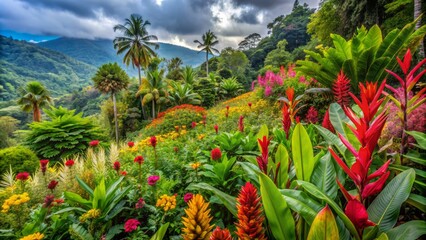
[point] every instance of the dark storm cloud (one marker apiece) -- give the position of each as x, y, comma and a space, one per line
247, 16
262, 4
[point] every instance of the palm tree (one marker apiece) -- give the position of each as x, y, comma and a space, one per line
33, 97
209, 39
188, 75
183, 94
154, 90
111, 78
136, 43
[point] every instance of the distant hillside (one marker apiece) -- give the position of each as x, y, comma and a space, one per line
98, 52
21, 62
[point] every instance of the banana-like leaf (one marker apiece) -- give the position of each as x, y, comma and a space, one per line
324, 226
301, 203
276, 210
303, 156
74, 197
324, 176
159, 235
281, 157
417, 201
384, 210
80, 231
85, 186
338, 118
410, 230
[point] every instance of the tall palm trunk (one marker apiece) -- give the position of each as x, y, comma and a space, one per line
140, 97
207, 63
417, 12
36, 113
115, 117
153, 109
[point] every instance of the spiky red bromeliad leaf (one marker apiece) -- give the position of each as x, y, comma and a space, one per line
341, 89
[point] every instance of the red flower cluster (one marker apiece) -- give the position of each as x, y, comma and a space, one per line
131, 144
52, 185
23, 176
367, 130
140, 203
286, 120
221, 234
153, 141
198, 109
241, 124
131, 225
138, 159
249, 104
193, 124
312, 115
187, 197
341, 89
116, 166
216, 154
152, 180
43, 165
262, 160
250, 219
216, 128
69, 163
48, 200
94, 143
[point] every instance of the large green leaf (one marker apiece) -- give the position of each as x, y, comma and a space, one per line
407, 231
159, 235
85, 186
331, 139
278, 214
99, 195
281, 157
338, 118
303, 155
314, 191
324, 176
384, 210
301, 203
417, 201
79, 231
74, 197
420, 138
227, 200
324, 226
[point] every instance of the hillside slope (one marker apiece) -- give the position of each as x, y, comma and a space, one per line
21, 62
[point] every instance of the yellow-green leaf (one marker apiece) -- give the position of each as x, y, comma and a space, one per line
324, 226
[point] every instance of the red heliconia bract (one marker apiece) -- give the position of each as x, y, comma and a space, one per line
216, 128
153, 141
250, 218
221, 234
52, 185
43, 165
326, 123
341, 88
241, 124
116, 166
286, 120
262, 160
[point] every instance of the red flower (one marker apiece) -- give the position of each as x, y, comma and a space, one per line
249, 104
131, 225
153, 141
69, 163
216, 154
59, 201
94, 143
176, 149
23, 176
131, 144
326, 123
123, 173
188, 197
138, 159
290, 94
216, 128
48, 200
193, 124
312, 115
358, 215
152, 180
262, 160
43, 165
241, 124
341, 89
227, 108
140, 203
116, 166
221, 234
286, 120
52, 185
250, 219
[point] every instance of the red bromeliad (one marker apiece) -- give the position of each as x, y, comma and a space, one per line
341, 89
326, 123
262, 160
367, 130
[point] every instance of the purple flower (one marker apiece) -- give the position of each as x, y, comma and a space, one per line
152, 180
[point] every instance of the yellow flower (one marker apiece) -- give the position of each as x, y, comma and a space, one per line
166, 202
195, 165
34, 236
201, 136
15, 200
197, 223
91, 214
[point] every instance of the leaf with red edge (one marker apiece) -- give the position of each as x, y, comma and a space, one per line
324, 226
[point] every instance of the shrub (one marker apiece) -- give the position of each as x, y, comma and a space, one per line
20, 158
207, 91
65, 135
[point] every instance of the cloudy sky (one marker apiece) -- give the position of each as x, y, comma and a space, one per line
173, 21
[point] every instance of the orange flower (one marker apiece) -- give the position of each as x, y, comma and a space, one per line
221, 234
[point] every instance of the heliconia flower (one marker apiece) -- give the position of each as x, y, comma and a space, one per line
22, 176
138, 159
290, 94
140, 203
153, 141
221, 234
94, 143
216, 154
326, 123
69, 163
123, 173
262, 160
286, 120
187, 197
341, 89
241, 124
131, 144
250, 218
152, 180
197, 220
216, 128
43, 165
249, 104
312, 115
358, 215
131, 225
116, 166
52, 185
